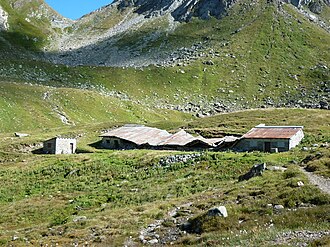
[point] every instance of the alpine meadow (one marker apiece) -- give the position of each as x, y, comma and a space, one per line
175, 123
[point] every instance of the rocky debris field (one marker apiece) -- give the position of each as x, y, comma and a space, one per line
299, 238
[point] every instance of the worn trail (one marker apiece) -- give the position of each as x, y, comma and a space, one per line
321, 182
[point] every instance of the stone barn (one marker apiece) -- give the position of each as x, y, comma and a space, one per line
59, 145
134, 137
270, 138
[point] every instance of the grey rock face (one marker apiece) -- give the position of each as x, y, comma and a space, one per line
180, 10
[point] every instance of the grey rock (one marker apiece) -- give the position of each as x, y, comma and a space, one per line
79, 219
300, 184
256, 170
315, 7
276, 168
153, 241
14, 238
278, 207
21, 134
218, 211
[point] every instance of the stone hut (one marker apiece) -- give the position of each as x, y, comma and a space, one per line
270, 138
59, 145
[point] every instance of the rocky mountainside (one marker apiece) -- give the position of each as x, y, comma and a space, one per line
27, 26
130, 33
133, 33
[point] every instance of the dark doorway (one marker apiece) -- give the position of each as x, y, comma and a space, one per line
267, 147
116, 144
72, 148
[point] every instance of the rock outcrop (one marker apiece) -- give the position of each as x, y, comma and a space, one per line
180, 10
3, 20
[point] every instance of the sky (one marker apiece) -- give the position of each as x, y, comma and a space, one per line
74, 9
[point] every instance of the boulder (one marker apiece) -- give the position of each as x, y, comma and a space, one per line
278, 207
79, 219
21, 135
218, 211
315, 7
256, 170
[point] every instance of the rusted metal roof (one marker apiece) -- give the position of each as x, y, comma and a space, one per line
272, 132
139, 135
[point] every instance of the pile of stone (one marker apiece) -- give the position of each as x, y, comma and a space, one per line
179, 158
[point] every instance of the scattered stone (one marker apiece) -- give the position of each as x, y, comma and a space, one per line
20, 135
79, 219
299, 238
276, 168
209, 62
14, 238
300, 183
184, 158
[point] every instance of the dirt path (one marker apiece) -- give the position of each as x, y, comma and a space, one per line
321, 182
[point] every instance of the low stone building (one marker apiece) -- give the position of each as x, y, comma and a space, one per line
134, 137
270, 138
59, 145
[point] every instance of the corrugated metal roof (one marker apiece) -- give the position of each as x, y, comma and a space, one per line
182, 138
139, 135
272, 132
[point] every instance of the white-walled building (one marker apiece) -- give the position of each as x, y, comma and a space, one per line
271, 138
59, 145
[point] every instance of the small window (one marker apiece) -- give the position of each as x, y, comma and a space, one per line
49, 145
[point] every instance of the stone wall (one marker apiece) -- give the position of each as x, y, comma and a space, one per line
117, 143
60, 146
49, 146
66, 146
295, 140
259, 144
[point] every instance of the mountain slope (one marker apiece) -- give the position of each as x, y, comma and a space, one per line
27, 26
258, 54
138, 33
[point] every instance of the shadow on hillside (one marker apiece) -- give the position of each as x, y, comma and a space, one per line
38, 151
83, 151
96, 145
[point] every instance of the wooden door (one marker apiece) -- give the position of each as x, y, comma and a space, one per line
267, 147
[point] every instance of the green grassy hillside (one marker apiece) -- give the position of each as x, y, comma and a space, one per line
107, 197
28, 107
262, 56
